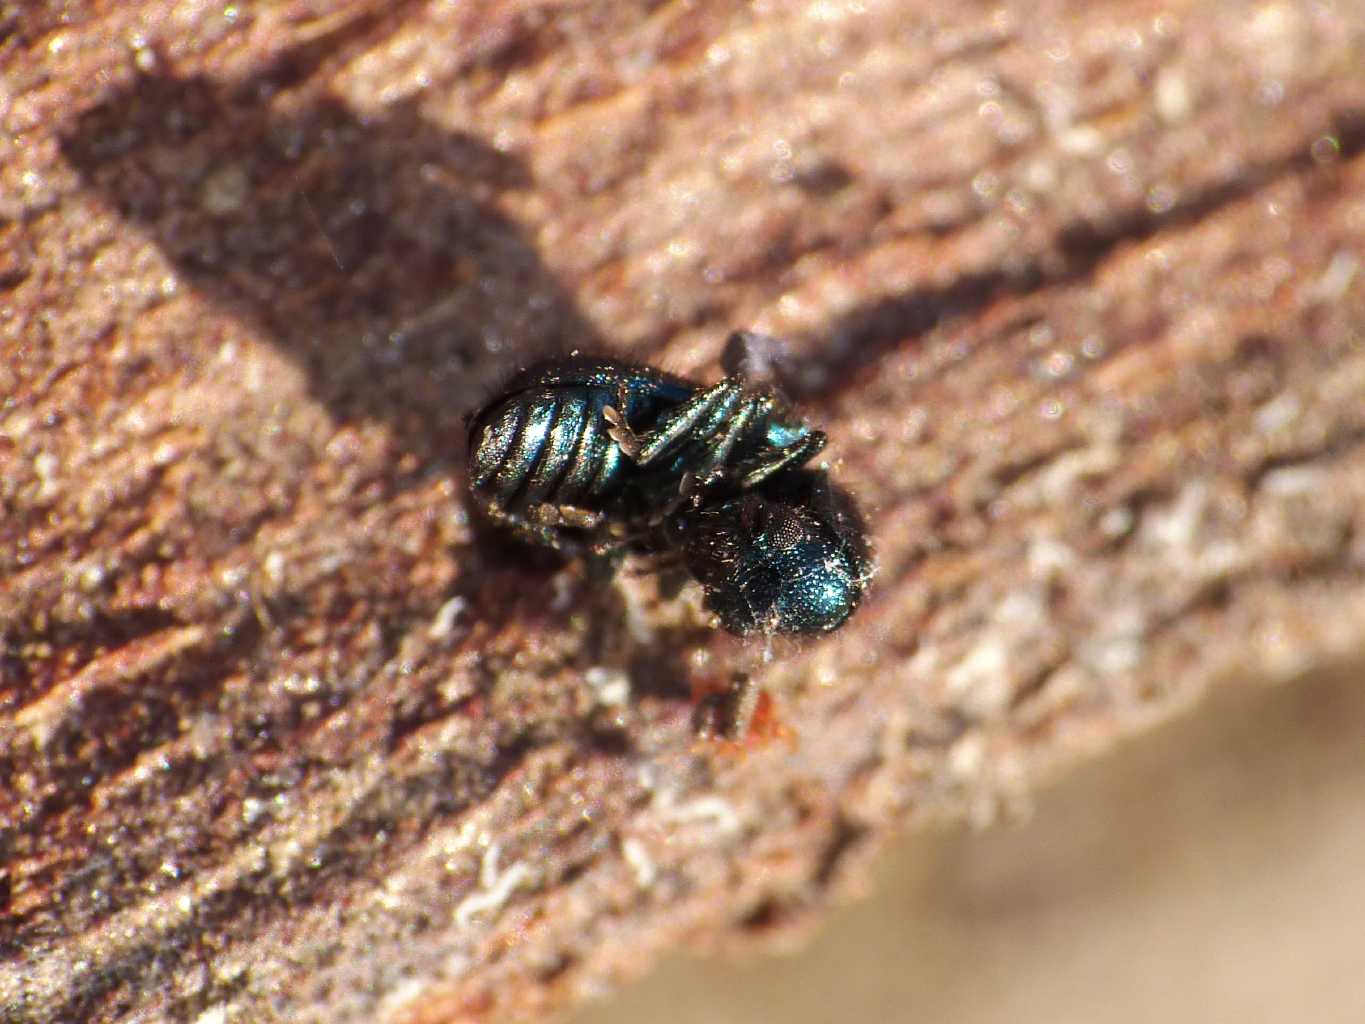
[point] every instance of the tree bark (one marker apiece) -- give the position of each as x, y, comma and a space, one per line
1076, 291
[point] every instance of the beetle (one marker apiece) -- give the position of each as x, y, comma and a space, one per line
595, 455
790, 557
606, 457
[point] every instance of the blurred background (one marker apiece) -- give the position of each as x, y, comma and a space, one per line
1213, 870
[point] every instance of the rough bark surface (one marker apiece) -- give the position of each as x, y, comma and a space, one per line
284, 736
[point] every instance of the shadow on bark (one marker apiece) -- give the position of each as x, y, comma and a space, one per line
371, 251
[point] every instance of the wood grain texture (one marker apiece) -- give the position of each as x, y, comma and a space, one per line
1077, 290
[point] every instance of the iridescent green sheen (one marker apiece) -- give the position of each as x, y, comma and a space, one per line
790, 557
605, 457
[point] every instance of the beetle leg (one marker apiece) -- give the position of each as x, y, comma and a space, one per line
617, 427
673, 427
619, 431
719, 453
687, 487
564, 515
544, 524
803, 451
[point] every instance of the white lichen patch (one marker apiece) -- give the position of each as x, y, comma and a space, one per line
983, 682
496, 885
443, 624
610, 686
641, 864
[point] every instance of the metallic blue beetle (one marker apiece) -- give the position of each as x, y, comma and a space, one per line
789, 557
591, 454
606, 457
